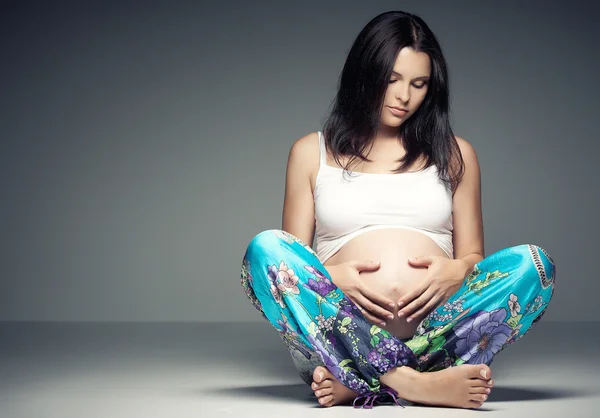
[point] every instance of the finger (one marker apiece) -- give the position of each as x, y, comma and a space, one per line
366, 308
386, 303
409, 297
416, 304
365, 264
375, 309
370, 317
425, 309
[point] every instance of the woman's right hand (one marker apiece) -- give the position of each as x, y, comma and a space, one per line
375, 307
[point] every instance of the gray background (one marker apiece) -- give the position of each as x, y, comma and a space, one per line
143, 144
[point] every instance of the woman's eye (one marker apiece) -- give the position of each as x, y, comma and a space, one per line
418, 87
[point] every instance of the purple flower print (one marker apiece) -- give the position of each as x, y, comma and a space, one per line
346, 308
272, 274
286, 327
358, 386
333, 341
481, 336
316, 272
322, 285
389, 353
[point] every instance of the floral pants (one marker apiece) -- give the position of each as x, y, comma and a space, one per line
501, 299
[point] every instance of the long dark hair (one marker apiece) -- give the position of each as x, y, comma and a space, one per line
352, 124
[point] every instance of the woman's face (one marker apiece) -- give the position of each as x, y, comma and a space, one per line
407, 86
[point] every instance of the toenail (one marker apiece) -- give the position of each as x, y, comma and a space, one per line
321, 375
487, 390
483, 373
491, 382
313, 386
318, 393
484, 397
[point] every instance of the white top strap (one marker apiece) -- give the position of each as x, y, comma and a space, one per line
323, 153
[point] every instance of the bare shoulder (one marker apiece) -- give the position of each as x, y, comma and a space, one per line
466, 149
472, 172
307, 143
305, 152
468, 154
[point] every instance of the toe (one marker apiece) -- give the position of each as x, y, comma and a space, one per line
323, 392
475, 372
481, 397
480, 389
319, 374
326, 400
327, 383
485, 371
474, 404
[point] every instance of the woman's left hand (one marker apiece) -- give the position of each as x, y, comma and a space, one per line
444, 278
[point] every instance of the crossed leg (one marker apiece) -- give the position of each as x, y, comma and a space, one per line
342, 355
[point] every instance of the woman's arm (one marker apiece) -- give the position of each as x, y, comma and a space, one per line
467, 215
298, 206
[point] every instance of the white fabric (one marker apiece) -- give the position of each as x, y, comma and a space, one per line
347, 206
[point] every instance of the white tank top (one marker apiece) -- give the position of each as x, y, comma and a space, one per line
347, 206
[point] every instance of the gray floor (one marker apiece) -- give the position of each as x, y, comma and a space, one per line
242, 370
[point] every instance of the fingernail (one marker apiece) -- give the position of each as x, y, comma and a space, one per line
400, 314
391, 316
392, 305
383, 324
409, 319
400, 303
483, 373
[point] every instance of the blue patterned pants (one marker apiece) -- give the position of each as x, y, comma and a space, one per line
501, 299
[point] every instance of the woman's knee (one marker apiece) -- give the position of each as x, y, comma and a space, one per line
264, 239
541, 266
531, 266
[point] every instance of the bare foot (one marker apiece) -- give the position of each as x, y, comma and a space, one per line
464, 386
328, 390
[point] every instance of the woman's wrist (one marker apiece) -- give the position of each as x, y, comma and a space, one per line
468, 262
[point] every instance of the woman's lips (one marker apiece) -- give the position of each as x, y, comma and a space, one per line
397, 111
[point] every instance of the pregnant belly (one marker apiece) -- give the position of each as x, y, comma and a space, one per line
395, 276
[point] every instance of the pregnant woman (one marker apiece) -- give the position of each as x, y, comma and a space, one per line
399, 300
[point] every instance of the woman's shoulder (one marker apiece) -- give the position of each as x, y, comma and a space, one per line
470, 167
467, 151
306, 151
308, 142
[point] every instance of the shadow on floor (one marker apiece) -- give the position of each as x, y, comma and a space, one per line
299, 392
303, 393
